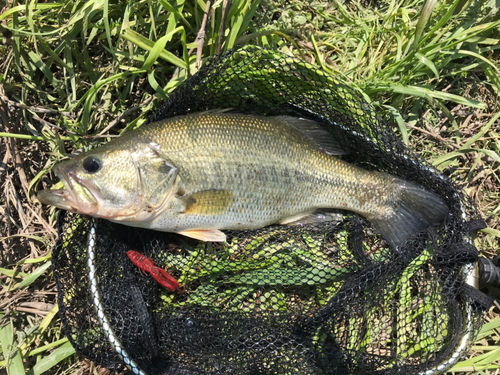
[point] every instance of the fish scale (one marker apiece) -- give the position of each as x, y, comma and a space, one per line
201, 173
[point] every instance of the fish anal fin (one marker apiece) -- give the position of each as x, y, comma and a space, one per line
208, 235
207, 202
291, 220
312, 218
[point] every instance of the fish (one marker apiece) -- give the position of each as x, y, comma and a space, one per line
202, 173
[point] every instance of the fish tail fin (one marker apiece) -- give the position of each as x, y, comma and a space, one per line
414, 209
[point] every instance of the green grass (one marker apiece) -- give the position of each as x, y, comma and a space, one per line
75, 74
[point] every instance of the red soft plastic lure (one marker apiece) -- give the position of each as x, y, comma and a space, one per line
162, 277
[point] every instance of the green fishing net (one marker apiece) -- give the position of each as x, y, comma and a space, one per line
329, 298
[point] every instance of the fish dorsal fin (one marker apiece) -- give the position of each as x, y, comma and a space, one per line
207, 202
216, 111
312, 130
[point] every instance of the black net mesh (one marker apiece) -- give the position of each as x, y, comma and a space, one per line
316, 299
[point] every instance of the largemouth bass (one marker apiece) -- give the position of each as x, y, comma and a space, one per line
202, 173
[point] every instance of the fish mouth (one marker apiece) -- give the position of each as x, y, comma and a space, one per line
75, 196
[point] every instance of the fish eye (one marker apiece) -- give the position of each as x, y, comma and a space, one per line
91, 164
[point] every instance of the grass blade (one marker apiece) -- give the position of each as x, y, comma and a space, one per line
177, 13
44, 348
401, 123
148, 45
426, 93
483, 131
24, 136
10, 351
427, 62
495, 233
48, 74
478, 56
105, 18
237, 23
159, 47
422, 20
246, 21
32, 277
22, 8
439, 160
50, 361
479, 362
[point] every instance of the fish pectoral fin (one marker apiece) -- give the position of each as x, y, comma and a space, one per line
208, 235
207, 202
